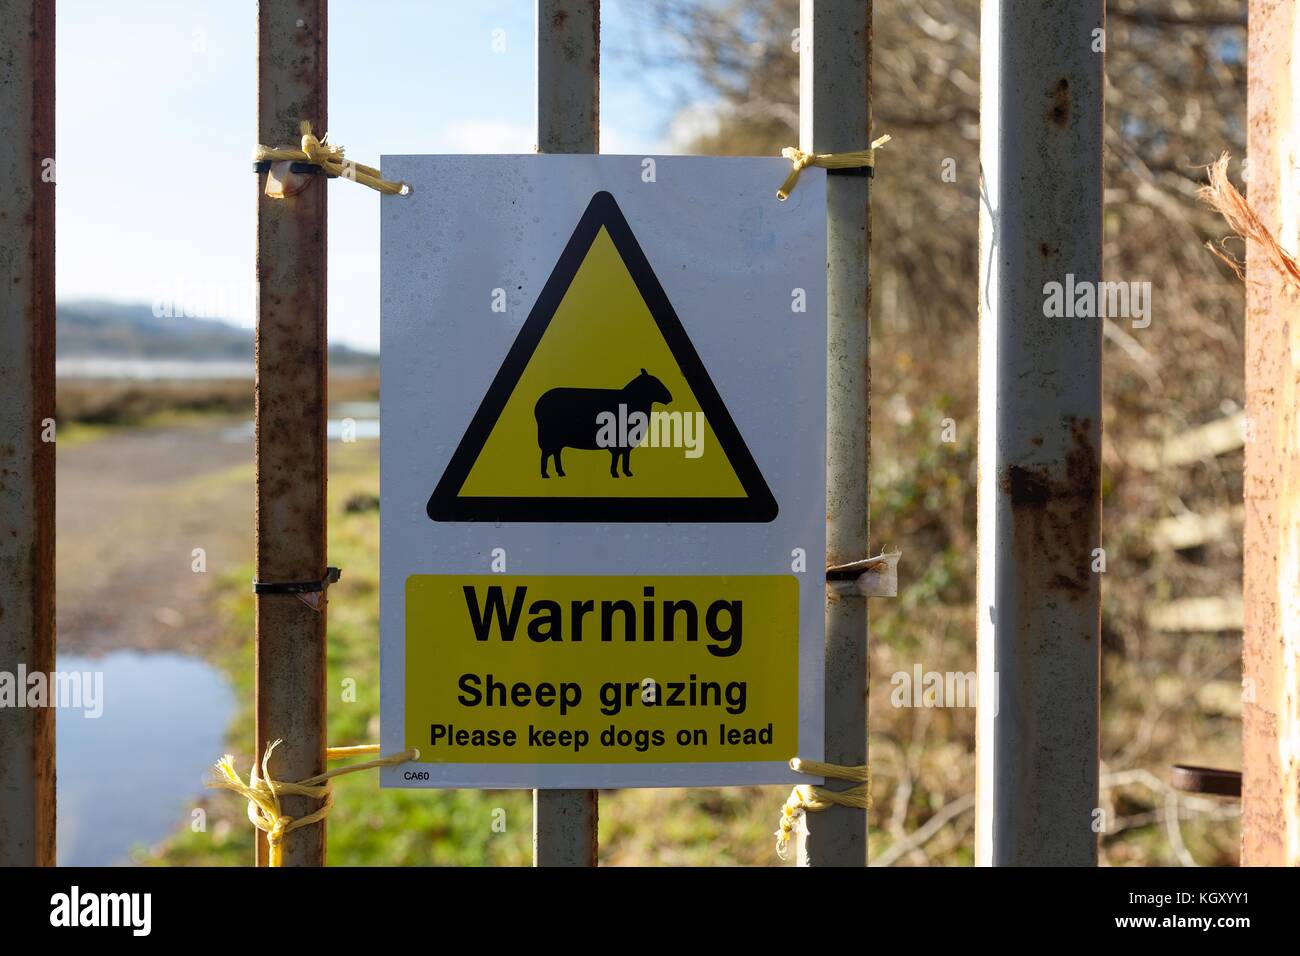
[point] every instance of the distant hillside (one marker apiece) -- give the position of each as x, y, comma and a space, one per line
87, 329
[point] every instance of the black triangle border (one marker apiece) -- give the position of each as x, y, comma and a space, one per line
758, 505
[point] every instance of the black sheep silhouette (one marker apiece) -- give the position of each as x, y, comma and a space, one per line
569, 418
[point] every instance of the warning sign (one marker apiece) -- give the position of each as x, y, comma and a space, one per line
602, 369
518, 669
603, 471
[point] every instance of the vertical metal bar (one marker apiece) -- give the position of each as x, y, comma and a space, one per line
26, 405
1270, 831
568, 121
835, 116
291, 414
1040, 433
568, 76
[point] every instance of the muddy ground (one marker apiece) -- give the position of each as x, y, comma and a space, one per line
132, 507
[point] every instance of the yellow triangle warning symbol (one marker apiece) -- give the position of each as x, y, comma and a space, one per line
602, 409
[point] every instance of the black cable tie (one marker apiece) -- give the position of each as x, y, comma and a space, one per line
865, 171
870, 577
295, 166
854, 569
332, 575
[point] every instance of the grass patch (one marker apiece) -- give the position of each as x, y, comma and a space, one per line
922, 759
369, 826
127, 403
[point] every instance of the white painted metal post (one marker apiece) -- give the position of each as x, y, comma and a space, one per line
1040, 432
568, 121
835, 116
26, 413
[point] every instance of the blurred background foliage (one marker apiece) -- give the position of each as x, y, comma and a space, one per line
1175, 99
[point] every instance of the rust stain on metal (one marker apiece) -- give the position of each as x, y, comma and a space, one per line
1059, 111
1028, 487
290, 396
568, 76
27, 776
1054, 514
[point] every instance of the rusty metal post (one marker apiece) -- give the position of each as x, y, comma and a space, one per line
1039, 433
1270, 830
835, 116
291, 414
568, 121
26, 417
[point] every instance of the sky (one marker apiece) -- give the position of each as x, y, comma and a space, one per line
156, 125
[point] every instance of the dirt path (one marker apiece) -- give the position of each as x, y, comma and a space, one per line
132, 507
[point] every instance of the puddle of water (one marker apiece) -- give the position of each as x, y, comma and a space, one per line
130, 776
151, 369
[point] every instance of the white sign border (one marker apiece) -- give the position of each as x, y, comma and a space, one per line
535, 201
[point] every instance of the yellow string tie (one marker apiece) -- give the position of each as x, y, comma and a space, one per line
808, 797
263, 793
856, 159
330, 158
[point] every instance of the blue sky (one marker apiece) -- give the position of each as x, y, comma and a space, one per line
156, 126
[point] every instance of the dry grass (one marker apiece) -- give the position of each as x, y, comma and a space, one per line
125, 402
1222, 195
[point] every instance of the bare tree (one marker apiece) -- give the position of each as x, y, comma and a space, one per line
1175, 100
